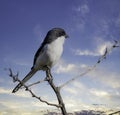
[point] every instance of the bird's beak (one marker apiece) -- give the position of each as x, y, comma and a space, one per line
66, 36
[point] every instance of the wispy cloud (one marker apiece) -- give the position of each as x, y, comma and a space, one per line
72, 88
83, 9
86, 52
80, 92
20, 109
18, 94
99, 50
99, 93
62, 68
4, 91
68, 68
104, 87
80, 12
117, 21
16, 106
102, 74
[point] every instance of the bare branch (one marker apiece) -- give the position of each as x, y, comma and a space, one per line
114, 113
36, 83
56, 90
107, 51
41, 100
74, 78
15, 78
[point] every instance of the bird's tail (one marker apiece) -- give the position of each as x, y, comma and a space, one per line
26, 78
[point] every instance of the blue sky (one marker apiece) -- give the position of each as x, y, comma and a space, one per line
91, 24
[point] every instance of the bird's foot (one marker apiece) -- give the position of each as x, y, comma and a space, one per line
48, 78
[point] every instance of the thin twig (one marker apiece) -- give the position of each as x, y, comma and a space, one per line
15, 78
36, 83
114, 113
107, 51
57, 89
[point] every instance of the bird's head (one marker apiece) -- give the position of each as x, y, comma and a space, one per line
57, 32
54, 34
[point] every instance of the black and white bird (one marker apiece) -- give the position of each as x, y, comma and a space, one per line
48, 54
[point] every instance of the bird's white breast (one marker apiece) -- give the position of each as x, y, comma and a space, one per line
55, 49
51, 53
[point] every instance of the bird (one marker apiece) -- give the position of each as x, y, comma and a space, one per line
48, 53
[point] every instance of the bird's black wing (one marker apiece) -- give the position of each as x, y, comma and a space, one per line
38, 53
51, 36
48, 39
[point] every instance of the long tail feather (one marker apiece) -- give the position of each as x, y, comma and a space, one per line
26, 78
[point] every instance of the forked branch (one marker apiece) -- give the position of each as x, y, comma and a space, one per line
49, 79
16, 79
57, 91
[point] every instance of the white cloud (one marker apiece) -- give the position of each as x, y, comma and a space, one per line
77, 95
65, 68
24, 95
106, 77
99, 93
99, 75
79, 92
22, 112
70, 90
103, 45
85, 52
4, 91
76, 88
78, 85
18, 94
108, 89
69, 68
99, 50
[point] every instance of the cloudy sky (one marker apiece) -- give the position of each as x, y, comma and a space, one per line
91, 24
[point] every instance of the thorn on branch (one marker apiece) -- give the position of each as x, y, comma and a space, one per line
116, 44
14, 77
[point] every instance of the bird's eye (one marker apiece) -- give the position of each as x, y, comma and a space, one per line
62, 33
